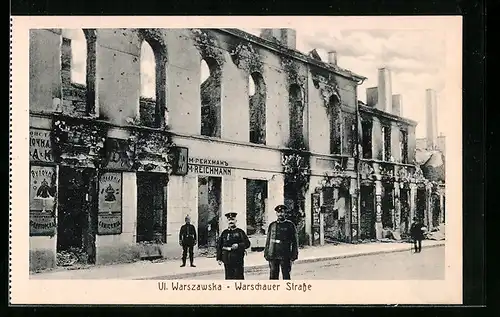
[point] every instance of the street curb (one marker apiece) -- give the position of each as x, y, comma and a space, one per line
259, 267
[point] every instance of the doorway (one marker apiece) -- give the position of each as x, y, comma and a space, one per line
367, 212
76, 216
209, 210
151, 208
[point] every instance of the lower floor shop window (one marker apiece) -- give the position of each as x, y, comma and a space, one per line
367, 212
335, 204
151, 209
420, 210
388, 206
256, 193
209, 204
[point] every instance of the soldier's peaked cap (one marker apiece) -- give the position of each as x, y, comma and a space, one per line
280, 208
230, 214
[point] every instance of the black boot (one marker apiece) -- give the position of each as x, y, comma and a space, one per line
183, 263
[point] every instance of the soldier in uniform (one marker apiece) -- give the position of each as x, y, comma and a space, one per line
417, 234
231, 248
281, 245
187, 240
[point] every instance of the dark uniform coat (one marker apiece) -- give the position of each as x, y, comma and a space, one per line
416, 231
282, 241
227, 238
187, 235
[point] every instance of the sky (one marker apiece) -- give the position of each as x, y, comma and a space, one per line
416, 59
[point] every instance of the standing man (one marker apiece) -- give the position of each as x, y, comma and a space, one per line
417, 234
231, 249
281, 245
187, 240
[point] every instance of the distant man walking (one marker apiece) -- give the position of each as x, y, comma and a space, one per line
231, 248
417, 234
281, 245
187, 240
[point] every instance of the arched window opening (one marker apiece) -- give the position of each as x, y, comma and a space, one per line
257, 105
210, 91
74, 71
147, 103
296, 105
335, 125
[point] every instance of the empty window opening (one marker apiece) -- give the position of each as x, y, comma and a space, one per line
366, 126
209, 210
403, 146
386, 139
388, 206
348, 133
257, 105
147, 103
335, 125
296, 106
74, 71
256, 206
210, 95
151, 208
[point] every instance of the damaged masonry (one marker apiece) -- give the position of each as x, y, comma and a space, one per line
234, 122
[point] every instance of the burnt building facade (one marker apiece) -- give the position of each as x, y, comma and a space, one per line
114, 173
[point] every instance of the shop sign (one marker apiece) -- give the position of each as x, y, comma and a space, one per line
119, 154
209, 166
110, 204
180, 161
42, 200
40, 146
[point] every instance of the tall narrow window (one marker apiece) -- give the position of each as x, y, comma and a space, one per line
74, 71
147, 104
335, 126
296, 106
348, 133
210, 95
257, 105
367, 139
386, 137
403, 145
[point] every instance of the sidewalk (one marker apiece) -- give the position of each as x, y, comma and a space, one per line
254, 261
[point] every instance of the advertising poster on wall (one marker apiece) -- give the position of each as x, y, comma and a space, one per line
110, 204
42, 200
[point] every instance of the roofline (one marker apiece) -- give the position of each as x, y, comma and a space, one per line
281, 49
384, 114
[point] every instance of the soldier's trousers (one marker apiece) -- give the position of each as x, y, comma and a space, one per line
275, 265
234, 271
185, 250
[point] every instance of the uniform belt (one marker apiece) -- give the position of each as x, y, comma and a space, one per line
275, 241
227, 248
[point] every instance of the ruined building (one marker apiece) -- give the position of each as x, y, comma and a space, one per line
114, 173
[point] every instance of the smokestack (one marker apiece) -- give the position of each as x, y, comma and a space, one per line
384, 90
397, 104
332, 57
371, 96
431, 118
286, 37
